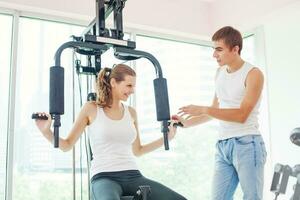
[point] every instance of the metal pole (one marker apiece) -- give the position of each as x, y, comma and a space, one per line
73, 119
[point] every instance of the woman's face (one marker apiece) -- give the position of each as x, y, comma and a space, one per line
123, 89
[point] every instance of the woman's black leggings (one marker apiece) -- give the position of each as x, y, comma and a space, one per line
113, 185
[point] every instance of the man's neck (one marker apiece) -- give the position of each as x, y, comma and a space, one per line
235, 65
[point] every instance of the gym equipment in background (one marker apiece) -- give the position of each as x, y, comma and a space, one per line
282, 173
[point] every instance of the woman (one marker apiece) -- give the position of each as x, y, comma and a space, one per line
114, 138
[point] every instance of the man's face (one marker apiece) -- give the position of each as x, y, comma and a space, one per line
223, 54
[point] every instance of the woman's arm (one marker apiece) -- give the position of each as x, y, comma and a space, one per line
83, 119
139, 149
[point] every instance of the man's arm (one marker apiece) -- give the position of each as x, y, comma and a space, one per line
196, 120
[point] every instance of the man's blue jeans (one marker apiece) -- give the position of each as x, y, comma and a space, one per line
239, 159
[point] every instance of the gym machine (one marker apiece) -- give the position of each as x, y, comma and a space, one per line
96, 40
282, 173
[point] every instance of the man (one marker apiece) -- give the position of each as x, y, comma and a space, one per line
240, 150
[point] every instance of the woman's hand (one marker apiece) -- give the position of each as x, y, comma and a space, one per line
44, 125
172, 130
180, 119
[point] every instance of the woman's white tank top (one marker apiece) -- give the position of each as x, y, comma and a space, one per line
111, 143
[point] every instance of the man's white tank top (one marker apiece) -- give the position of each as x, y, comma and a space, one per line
111, 143
230, 91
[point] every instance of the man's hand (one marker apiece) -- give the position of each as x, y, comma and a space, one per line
192, 111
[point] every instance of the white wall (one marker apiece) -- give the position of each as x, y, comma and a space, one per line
282, 32
173, 15
243, 14
196, 18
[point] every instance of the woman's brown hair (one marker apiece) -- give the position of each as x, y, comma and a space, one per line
104, 90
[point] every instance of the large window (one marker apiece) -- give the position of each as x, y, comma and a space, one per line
40, 171
5, 49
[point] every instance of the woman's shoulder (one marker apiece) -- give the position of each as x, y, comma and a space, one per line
90, 107
90, 104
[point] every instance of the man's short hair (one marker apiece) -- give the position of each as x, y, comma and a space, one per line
230, 36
